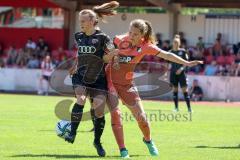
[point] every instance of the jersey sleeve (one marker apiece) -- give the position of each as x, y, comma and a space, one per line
77, 38
108, 44
116, 41
151, 49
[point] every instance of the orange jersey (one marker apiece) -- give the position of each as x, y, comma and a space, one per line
129, 57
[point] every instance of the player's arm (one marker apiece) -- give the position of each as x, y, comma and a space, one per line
181, 69
110, 55
174, 58
111, 51
73, 69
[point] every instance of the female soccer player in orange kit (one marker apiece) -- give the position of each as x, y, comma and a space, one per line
133, 46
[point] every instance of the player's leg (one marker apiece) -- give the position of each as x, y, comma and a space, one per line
40, 85
183, 84
174, 83
47, 85
99, 102
131, 99
92, 112
140, 115
175, 98
76, 114
116, 121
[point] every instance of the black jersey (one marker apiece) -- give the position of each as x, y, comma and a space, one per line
181, 53
92, 45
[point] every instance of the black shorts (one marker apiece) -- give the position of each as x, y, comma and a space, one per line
46, 77
178, 79
100, 84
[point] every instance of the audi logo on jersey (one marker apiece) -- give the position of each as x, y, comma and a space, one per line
86, 49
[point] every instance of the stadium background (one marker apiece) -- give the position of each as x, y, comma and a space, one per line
60, 18
28, 122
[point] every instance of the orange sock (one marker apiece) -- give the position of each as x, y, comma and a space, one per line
144, 126
117, 127
141, 118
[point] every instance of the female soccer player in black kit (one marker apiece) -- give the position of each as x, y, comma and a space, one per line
177, 74
88, 77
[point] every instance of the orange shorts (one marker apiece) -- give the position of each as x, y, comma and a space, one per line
127, 93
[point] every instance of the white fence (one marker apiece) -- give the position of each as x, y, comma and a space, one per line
214, 87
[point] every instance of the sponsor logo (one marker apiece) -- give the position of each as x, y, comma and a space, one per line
86, 49
125, 59
94, 41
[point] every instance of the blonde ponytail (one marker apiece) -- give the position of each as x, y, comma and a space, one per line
106, 9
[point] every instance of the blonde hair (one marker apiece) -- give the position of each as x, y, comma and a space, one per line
145, 28
106, 9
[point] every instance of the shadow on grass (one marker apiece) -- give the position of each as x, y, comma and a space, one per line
65, 156
53, 131
220, 147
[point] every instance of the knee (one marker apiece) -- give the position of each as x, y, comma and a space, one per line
184, 90
116, 117
81, 99
175, 89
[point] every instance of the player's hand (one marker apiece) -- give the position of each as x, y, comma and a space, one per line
194, 63
116, 62
179, 71
72, 70
116, 66
114, 52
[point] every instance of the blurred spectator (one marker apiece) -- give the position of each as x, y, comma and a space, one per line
237, 62
231, 69
217, 48
209, 58
222, 40
2, 65
11, 55
30, 44
43, 53
230, 58
22, 58
59, 55
200, 44
159, 40
42, 44
220, 59
37, 52
33, 62
236, 48
166, 45
237, 72
47, 69
196, 92
211, 69
183, 40
195, 54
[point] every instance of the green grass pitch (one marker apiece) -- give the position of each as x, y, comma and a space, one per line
27, 125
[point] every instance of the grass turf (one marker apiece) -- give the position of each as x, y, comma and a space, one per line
27, 125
